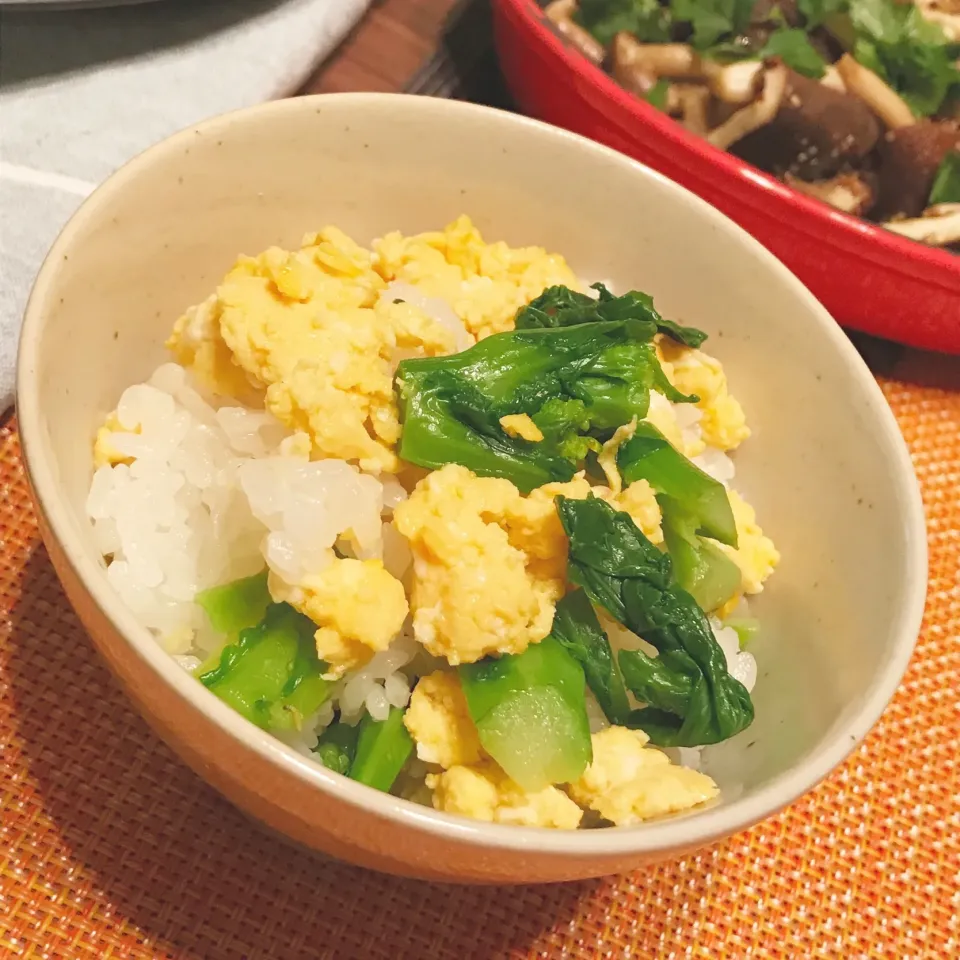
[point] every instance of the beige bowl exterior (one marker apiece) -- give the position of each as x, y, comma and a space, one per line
826, 467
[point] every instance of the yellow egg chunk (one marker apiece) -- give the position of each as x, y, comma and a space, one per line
196, 344
755, 555
628, 782
485, 792
640, 502
305, 334
474, 592
489, 563
522, 426
692, 371
439, 722
104, 453
414, 330
607, 458
357, 606
485, 284
534, 525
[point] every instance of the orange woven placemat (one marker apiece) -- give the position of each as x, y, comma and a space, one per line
110, 848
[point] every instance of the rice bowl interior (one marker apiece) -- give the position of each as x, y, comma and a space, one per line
272, 456
796, 723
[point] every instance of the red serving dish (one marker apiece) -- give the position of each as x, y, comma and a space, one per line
868, 278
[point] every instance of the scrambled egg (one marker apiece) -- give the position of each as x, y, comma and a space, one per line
692, 371
534, 525
483, 791
755, 555
358, 608
474, 592
627, 781
306, 334
485, 283
489, 563
104, 453
521, 425
607, 458
439, 722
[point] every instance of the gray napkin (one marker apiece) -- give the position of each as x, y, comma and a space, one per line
82, 91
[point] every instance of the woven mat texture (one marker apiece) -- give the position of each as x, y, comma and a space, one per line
110, 848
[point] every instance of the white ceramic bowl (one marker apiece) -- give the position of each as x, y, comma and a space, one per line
826, 467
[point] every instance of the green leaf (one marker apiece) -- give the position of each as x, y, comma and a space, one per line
337, 746
816, 12
713, 20
383, 748
648, 455
747, 629
235, 606
645, 19
579, 366
562, 307
577, 629
907, 51
691, 698
946, 184
700, 567
271, 675
656, 96
794, 48
530, 713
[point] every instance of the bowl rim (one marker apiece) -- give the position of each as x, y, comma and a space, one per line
883, 247
692, 830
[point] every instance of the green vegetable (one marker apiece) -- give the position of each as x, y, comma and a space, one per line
946, 184
563, 307
645, 19
691, 698
577, 629
699, 565
564, 423
747, 629
656, 96
909, 52
713, 20
271, 675
235, 606
337, 746
817, 12
451, 406
530, 713
383, 747
648, 455
793, 47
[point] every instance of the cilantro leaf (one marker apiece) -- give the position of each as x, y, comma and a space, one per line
907, 51
645, 19
816, 12
656, 96
713, 20
946, 184
794, 48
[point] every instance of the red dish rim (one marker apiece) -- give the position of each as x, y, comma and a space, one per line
844, 226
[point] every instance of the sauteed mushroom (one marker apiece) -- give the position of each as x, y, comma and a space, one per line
852, 104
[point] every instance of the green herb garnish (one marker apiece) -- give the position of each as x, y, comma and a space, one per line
691, 698
645, 19
946, 184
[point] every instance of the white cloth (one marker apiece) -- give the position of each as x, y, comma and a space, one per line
84, 90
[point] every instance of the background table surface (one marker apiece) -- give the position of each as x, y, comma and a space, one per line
110, 848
